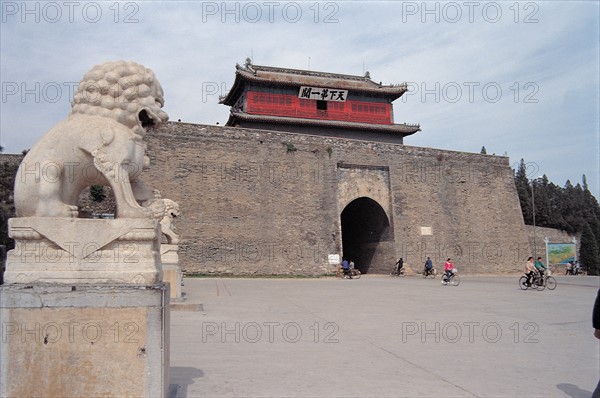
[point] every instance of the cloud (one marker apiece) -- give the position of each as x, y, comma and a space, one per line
543, 51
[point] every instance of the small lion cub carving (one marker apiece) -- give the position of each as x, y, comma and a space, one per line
166, 210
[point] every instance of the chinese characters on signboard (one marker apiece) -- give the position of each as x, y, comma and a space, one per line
323, 94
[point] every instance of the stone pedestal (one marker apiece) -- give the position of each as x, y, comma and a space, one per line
170, 269
84, 340
77, 250
84, 311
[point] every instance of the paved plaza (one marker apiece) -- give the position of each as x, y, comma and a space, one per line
384, 337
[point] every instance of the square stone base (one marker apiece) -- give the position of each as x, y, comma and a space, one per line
84, 340
77, 250
172, 276
171, 272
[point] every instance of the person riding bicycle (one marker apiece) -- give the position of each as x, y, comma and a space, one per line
346, 268
540, 267
569, 269
400, 266
448, 267
529, 270
428, 266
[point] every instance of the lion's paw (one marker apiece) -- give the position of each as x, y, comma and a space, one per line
72, 211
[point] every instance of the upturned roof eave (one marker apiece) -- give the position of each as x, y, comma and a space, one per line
242, 75
403, 129
231, 97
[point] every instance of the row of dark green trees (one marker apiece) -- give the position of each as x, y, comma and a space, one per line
570, 208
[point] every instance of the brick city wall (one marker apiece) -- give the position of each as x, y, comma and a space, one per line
10, 160
266, 202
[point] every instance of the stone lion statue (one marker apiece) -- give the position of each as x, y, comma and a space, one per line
165, 210
171, 212
99, 143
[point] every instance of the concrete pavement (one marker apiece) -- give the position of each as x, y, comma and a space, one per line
384, 337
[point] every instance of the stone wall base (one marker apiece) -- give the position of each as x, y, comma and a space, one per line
84, 340
171, 272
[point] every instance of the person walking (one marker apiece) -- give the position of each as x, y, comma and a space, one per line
400, 266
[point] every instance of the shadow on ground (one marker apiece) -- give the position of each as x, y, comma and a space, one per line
179, 380
573, 391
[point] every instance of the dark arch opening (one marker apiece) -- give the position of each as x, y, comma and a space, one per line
364, 225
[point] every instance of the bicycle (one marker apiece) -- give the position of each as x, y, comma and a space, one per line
453, 279
398, 272
546, 281
538, 283
354, 272
429, 272
524, 285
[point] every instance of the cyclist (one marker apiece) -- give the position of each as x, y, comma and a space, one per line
448, 267
540, 267
346, 268
428, 266
529, 270
569, 269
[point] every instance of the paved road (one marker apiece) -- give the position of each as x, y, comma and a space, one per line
384, 337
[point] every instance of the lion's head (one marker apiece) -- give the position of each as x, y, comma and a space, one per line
123, 91
171, 208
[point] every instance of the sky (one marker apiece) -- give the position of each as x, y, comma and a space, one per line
520, 78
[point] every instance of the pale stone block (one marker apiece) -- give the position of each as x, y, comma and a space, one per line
72, 250
84, 340
171, 271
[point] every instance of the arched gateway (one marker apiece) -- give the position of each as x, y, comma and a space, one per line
365, 226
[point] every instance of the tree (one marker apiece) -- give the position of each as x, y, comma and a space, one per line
595, 226
97, 193
589, 200
524, 193
543, 215
556, 198
483, 151
589, 255
568, 208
